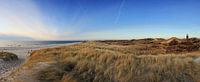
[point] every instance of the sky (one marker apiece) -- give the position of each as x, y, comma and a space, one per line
98, 19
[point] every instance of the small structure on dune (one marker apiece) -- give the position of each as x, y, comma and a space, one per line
187, 37
187, 40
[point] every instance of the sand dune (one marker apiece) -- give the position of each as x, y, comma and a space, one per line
7, 67
116, 61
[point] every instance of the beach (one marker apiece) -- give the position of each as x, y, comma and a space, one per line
23, 52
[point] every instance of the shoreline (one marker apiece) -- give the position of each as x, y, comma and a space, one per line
7, 67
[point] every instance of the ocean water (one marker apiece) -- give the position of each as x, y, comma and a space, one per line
33, 43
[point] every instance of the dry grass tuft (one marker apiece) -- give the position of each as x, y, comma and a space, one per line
7, 56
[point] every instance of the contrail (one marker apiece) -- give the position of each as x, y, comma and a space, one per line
119, 11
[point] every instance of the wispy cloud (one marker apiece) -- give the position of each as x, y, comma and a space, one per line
119, 11
23, 18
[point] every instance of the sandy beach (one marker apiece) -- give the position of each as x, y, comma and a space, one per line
6, 67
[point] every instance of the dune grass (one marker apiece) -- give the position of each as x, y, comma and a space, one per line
7, 56
100, 62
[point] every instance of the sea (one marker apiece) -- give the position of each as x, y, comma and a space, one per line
33, 43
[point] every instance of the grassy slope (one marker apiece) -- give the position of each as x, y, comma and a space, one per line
99, 62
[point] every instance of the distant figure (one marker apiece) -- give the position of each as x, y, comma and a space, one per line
187, 36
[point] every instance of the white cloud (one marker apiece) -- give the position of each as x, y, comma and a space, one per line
23, 18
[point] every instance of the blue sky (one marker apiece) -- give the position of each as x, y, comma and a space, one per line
98, 19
